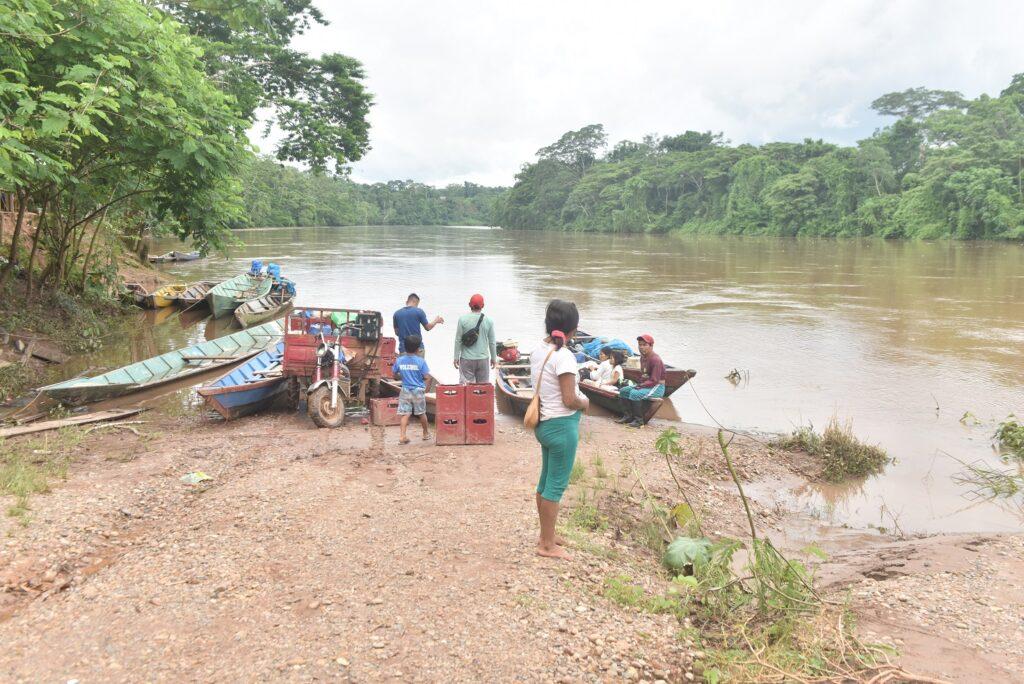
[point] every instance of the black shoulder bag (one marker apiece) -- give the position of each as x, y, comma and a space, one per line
470, 337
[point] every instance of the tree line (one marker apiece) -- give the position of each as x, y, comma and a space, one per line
280, 195
946, 167
119, 116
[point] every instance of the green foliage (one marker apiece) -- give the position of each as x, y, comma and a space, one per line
283, 196
28, 466
1010, 436
946, 168
841, 454
684, 554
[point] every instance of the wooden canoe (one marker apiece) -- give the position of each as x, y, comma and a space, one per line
195, 294
173, 256
248, 388
674, 377
229, 295
265, 308
165, 296
168, 367
609, 400
513, 387
137, 292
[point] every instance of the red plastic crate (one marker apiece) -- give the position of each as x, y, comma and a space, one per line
384, 411
480, 399
480, 428
449, 429
384, 365
451, 400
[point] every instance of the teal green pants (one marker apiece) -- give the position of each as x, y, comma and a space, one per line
558, 438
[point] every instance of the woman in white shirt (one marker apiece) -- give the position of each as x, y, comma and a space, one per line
554, 373
607, 374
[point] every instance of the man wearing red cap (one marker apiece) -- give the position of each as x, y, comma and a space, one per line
475, 348
651, 385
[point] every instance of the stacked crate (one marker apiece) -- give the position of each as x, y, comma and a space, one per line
387, 354
384, 411
479, 414
464, 414
450, 415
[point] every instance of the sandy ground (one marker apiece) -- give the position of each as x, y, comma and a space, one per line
319, 554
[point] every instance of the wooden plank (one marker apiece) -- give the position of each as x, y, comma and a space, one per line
65, 422
212, 357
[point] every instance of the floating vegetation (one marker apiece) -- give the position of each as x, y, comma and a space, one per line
738, 377
1010, 436
986, 483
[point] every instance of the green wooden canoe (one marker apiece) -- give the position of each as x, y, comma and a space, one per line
168, 367
230, 294
274, 305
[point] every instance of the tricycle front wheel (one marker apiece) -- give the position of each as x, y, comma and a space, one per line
318, 405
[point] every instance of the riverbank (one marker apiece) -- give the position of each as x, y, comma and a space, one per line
58, 325
341, 554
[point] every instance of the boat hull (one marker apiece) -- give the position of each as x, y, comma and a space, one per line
239, 393
508, 400
165, 296
262, 309
229, 295
609, 401
674, 377
195, 294
169, 367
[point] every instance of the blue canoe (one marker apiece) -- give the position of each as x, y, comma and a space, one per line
249, 387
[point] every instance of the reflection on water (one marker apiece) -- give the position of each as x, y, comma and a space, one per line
900, 337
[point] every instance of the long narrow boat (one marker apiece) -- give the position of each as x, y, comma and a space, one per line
513, 387
195, 294
265, 308
137, 292
248, 388
167, 367
165, 296
229, 295
674, 377
173, 256
609, 400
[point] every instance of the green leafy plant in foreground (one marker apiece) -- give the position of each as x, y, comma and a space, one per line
1010, 436
841, 454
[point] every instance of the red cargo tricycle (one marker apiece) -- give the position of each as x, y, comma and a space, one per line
335, 356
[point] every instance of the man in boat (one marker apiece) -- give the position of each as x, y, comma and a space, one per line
476, 350
651, 385
408, 319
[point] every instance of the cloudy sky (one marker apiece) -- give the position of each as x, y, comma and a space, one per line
470, 90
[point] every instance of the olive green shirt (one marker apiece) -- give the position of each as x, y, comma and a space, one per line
485, 347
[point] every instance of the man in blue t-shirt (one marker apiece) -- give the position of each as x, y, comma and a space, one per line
412, 401
408, 319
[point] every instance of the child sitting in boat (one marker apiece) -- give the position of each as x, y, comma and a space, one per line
608, 373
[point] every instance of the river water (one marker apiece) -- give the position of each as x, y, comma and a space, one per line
902, 338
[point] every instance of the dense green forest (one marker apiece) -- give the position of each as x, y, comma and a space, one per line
121, 117
947, 167
279, 195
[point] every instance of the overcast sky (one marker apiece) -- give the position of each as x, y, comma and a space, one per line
470, 90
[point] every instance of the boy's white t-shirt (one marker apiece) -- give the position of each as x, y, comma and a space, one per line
561, 362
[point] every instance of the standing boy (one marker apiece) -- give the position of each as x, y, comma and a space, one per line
476, 351
409, 318
413, 372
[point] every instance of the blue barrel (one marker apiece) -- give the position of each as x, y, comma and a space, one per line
273, 270
256, 267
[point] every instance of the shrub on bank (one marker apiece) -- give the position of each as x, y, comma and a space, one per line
841, 454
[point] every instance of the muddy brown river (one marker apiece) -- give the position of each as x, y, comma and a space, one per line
902, 338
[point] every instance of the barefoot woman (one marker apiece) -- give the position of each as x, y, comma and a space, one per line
553, 369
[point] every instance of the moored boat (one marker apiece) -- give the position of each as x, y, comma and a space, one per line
173, 256
265, 308
609, 400
230, 294
195, 293
252, 386
168, 367
165, 296
674, 377
513, 387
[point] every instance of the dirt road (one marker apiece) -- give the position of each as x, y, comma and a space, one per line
319, 554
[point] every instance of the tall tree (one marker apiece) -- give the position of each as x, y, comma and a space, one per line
917, 103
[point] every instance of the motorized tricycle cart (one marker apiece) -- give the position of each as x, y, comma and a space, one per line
335, 357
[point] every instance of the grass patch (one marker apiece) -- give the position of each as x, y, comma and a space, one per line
15, 379
584, 514
579, 471
28, 467
623, 591
841, 454
600, 471
1010, 436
